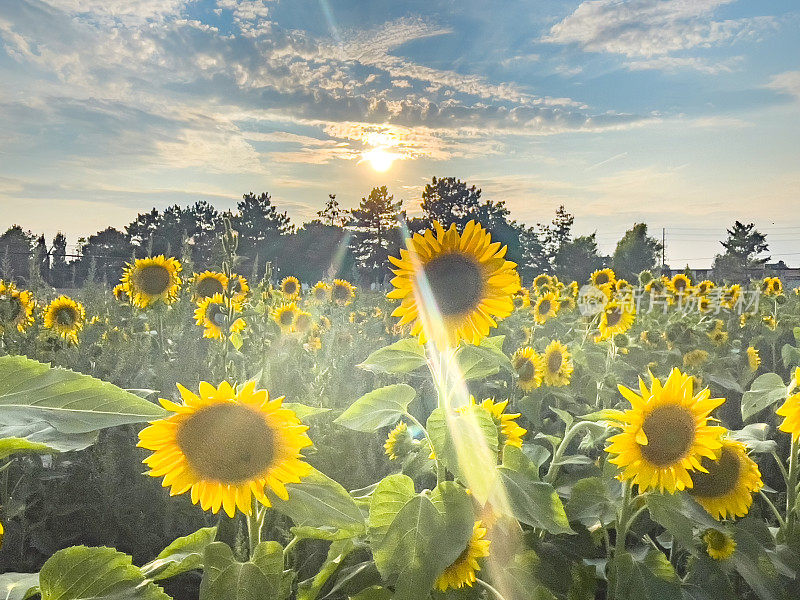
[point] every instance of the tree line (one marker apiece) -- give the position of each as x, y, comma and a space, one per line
354, 244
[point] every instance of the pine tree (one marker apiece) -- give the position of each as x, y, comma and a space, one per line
740, 261
376, 232
635, 252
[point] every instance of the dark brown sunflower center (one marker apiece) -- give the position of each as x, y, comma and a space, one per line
526, 370
613, 317
320, 293
602, 278
340, 292
216, 314
776, 285
287, 318
227, 442
544, 307
722, 476
554, 361
290, 287
456, 281
66, 316
670, 434
209, 286
153, 280
680, 284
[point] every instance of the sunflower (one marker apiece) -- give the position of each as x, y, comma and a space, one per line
453, 286
770, 322
546, 307
66, 317
321, 292
772, 286
557, 363
719, 545
680, 285
510, 432
718, 336
540, 282
615, 318
120, 292
731, 295
208, 283
342, 292
790, 411
216, 314
529, 368
726, 483
462, 571
2, 532
238, 288
602, 277
303, 322
284, 315
655, 286
290, 286
704, 287
567, 303
227, 447
695, 358
522, 299
16, 308
399, 442
150, 280
650, 337
665, 434
753, 359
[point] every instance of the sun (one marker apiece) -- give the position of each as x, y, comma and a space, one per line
379, 159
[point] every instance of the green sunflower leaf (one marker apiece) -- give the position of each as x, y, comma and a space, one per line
225, 578
534, 503
766, 390
403, 356
479, 362
184, 554
319, 501
389, 497
379, 408
651, 577
83, 573
71, 403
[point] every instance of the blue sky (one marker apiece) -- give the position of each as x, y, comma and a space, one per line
684, 114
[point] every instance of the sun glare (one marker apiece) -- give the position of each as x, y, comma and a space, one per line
379, 159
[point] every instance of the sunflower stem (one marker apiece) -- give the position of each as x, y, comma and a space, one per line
254, 522
791, 489
555, 464
440, 475
775, 511
292, 543
783, 470
491, 588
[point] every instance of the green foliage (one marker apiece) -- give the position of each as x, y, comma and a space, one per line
81, 573
225, 578
378, 408
765, 391
403, 356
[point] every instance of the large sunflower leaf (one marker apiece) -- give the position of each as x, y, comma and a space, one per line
225, 578
82, 573
417, 547
389, 497
319, 501
650, 578
378, 408
403, 356
534, 502
72, 403
766, 390
184, 554
41, 437
478, 362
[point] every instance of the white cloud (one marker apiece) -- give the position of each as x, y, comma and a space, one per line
787, 82
653, 29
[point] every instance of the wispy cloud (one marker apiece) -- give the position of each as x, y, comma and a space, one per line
787, 82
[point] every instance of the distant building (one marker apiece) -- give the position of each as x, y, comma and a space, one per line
790, 276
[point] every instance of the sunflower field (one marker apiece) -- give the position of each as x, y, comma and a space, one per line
467, 435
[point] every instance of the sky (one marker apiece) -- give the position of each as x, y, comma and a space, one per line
684, 114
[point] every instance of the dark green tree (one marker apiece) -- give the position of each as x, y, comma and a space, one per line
16, 248
108, 250
375, 233
740, 262
332, 215
576, 259
260, 227
58, 267
557, 233
635, 252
